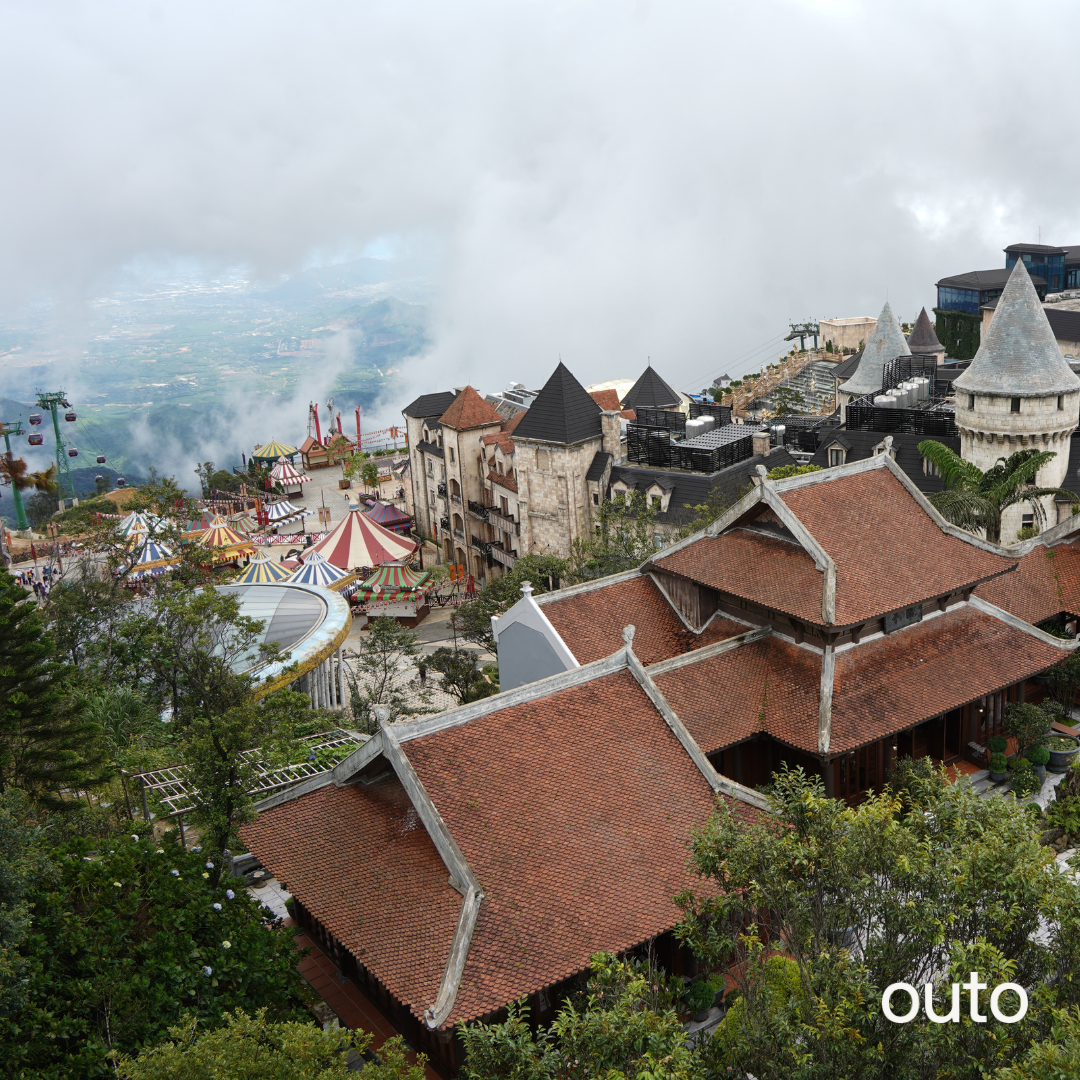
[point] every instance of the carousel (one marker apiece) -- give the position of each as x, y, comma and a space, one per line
270, 452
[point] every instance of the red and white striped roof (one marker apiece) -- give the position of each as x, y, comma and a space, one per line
284, 473
359, 541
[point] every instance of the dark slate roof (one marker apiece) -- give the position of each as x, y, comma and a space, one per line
860, 444
843, 370
1065, 324
599, 464
650, 392
1019, 355
923, 337
1072, 255
886, 343
563, 412
430, 405
1035, 249
983, 279
692, 489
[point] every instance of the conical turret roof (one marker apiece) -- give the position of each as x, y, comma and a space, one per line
562, 412
885, 345
923, 338
650, 392
1019, 356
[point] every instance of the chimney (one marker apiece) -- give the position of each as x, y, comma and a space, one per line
611, 434
762, 443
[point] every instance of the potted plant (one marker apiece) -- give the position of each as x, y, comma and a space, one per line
1025, 782
700, 995
1038, 756
1063, 749
999, 769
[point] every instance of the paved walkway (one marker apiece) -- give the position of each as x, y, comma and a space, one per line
350, 1004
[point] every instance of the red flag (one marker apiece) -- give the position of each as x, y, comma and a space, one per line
33, 553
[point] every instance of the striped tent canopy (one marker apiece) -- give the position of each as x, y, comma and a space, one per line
136, 522
242, 523
273, 450
315, 570
284, 473
262, 571
359, 541
391, 576
390, 517
206, 519
285, 511
225, 542
153, 559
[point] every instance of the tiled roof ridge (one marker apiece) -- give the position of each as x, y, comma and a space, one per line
586, 586
1009, 619
650, 391
469, 410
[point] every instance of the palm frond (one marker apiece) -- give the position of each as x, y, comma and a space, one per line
966, 509
1013, 473
953, 469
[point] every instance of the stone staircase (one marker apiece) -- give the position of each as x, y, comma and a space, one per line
816, 384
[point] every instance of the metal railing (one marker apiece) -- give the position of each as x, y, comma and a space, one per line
478, 510
503, 521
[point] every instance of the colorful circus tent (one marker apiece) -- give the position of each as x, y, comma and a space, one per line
357, 541
389, 517
242, 523
225, 543
271, 451
139, 523
204, 520
285, 511
290, 480
153, 559
262, 570
315, 570
397, 591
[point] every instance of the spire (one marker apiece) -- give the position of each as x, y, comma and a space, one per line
1019, 356
923, 338
885, 345
650, 392
562, 412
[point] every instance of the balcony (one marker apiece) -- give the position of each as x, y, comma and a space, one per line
481, 545
478, 510
455, 497
460, 534
500, 555
442, 489
503, 521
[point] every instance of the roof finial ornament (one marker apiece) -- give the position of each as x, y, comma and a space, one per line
762, 472
382, 714
526, 588
628, 635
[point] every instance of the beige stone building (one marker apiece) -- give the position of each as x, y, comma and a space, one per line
846, 334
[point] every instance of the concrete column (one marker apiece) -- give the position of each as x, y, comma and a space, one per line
342, 687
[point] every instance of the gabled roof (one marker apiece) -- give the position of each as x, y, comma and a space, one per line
1046, 583
885, 345
601, 460
923, 337
650, 392
561, 814
847, 366
428, 405
1019, 355
469, 410
608, 400
862, 520
563, 412
590, 621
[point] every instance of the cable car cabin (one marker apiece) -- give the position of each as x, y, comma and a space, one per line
70, 416
101, 459
72, 452
121, 482
99, 479
35, 418
35, 439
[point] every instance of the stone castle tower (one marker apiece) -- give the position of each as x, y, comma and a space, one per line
885, 344
1018, 392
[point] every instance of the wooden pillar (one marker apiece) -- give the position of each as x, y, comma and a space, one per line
736, 763
829, 775
887, 758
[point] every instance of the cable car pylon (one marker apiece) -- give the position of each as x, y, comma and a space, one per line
54, 401
9, 429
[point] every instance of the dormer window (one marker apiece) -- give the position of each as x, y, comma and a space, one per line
836, 456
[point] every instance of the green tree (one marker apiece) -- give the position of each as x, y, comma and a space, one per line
975, 500
623, 1026
1028, 724
461, 675
473, 619
127, 938
626, 535
1052, 1058
924, 886
18, 867
383, 672
786, 399
719, 502
204, 472
46, 744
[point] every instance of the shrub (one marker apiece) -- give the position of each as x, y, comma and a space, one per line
997, 744
998, 763
699, 995
1025, 780
1038, 755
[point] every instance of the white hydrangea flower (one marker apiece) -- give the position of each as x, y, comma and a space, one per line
230, 894
217, 907
175, 873
208, 971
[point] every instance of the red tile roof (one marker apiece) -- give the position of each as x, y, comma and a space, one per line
361, 862
879, 687
591, 623
469, 410
888, 553
887, 684
769, 685
608, 400
507, 481
574, 812
1046, 582
500, 439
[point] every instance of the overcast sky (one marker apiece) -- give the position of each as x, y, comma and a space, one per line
602, 180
